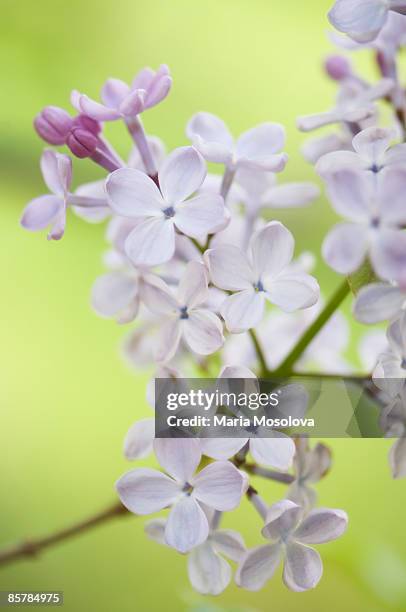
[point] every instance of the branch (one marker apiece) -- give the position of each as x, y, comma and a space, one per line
31, 548
260, 354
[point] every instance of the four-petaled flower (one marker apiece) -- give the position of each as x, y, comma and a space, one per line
161, 211
290, 535
379, 302
257, 148
263, 276
220, 486
184, 315
362, 20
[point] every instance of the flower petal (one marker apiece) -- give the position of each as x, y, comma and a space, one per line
321, 525
360, 19
155, 530
258, 566
209, 573
203, 332
151, 242
113, 93
293, 291
211, 137
56, 169
193, 287
219, 486
144, 490
243, 310
303, 567
95, 110
290, 195
187, 525
372, 143
229, 543
229, 268
345, 247
221, 448
158, 297
139, 439
180, 457
41, 212
391, 194
281, 519
256, 148
349, 190
272, 250
397, 458
168, 341
388, 255
201, 215
275, 451
378, 302
181, 174
112, 293
132, 193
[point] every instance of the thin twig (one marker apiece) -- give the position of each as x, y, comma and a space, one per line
31, 548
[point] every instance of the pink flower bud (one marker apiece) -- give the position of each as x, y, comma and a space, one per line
53, 124
81, 142
88, 124
337, 67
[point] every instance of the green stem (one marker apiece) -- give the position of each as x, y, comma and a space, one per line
260, 353
336, 300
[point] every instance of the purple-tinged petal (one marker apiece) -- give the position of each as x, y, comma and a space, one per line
95, 110
391, 194
243, 310
309, 123
132, 193
211, 137
208, 573
181, 174
113, 93
221, 448
201, 215
397, 458
321, 525
272, 250
187, 525
257, 147
388, 255
277, 451
193, 287
257, 566
293, 291
144, 490
373, 142
158, 90
360, 19
229, 543
179, 457
349, 191
203, 332
170, 335
56, 169
155, 530
152, 242
53, 124
113, 292
281, 519
219, 486
158, 297
41, 212
345, 247
139, 439
290, 195
229, 268
378, 302
303, 567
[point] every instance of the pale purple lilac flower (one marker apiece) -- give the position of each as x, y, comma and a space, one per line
310, 465
183, 315
263, 276
209, 572
372, 344
50, 210
133, 194
390, 372
117, 294
277, 450
362, 20
120, 100
220, 486
373, 204
290, 535
393, 423
257, 148
372, 152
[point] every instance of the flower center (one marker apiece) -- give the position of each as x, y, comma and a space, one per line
187, 488
375, 222
375, 168
183, 313
259, 286
169, 212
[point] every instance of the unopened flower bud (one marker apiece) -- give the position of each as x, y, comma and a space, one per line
53, 125
81, 142
87, 123
337, 67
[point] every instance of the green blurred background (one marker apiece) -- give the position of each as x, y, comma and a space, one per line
66, 397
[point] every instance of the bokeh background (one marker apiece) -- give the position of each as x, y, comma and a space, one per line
66, 396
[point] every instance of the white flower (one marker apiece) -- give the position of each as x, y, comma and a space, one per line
362, 20
183, 316
393, 422
134, 194
374, 207
209, 573
274, 450
379, 302
219, 485
310, 465
371, 152
290, 535
263, 276
257, 148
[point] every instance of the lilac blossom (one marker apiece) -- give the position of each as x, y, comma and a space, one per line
290, 535
183, 316
390, 372
362, 20
393, 423
262, 277
310, 465
379, 302
374, 207
220, 486
133, 194
50, 210
117, 294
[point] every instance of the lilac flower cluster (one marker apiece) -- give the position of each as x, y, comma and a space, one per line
196, 259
